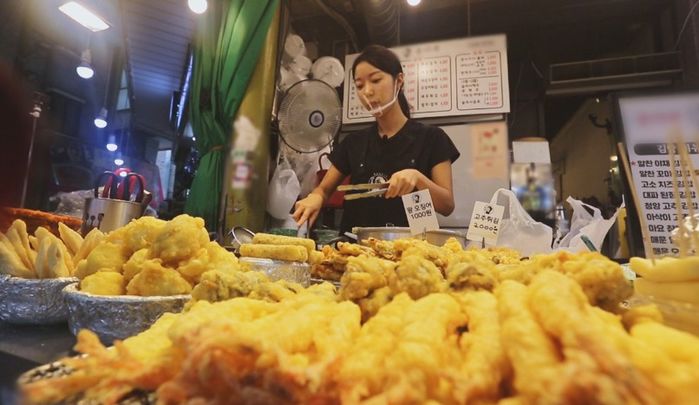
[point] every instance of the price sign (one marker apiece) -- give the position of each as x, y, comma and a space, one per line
420, 212
485, 223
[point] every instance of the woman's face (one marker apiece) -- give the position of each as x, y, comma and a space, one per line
375, 87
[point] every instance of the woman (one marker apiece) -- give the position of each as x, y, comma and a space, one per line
408, 155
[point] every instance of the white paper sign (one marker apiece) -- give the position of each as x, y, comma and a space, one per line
420, 212
489, 150
485, 223
531, 152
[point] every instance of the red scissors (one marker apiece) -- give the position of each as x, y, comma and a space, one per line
109, 189
127, 187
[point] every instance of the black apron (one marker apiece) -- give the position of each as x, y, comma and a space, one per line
369, 167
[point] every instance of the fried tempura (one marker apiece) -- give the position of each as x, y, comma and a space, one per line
180, 239
104, 283
154, 279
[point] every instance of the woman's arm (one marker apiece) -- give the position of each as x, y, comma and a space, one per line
440, 186
309, 208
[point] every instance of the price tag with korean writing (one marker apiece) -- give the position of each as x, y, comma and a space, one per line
420, 212
485, 223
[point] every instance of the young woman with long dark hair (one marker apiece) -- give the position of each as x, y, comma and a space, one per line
407, 154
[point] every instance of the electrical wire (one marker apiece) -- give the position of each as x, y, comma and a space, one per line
684, 25
340, 20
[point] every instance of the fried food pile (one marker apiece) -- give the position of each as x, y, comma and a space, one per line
519, 344
372, 275
668, 278
43, 255
152, 257
279, 247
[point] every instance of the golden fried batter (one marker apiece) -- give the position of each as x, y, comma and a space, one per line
154, 279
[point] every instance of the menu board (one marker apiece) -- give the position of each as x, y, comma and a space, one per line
650, 124
448, 78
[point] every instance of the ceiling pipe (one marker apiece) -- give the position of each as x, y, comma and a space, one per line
383, 21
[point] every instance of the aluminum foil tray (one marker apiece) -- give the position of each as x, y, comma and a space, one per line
58, 369
33, 301
297, 272
116, 317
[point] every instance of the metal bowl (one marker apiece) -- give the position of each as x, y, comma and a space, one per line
438, 237
33, 301
297, 272
116, 316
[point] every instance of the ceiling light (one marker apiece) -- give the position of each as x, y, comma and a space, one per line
118, 160
414, 2
197, 6
101, 119
111, 143
85, 69
83, 16
613, 158
123, 174
194, 138
597, 100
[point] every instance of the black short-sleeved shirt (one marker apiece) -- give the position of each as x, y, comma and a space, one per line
368, 158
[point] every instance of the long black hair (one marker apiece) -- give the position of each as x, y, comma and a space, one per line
385, 60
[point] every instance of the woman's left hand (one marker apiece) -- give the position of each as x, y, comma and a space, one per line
403, 182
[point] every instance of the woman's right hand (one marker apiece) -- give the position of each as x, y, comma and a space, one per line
308, 209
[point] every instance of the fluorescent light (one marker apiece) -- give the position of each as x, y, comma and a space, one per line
414, 2
198, 6
83, 16
101, 119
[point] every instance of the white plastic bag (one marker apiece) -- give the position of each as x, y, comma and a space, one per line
519, 230
284, 189
594, 226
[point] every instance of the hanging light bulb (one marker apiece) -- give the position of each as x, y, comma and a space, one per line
118, 160
111, 143
85, 69
414, 2
101, 119
198, 6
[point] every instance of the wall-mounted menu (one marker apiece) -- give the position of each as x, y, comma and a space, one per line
447, 78
650, 126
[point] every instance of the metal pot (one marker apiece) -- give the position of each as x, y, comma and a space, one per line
438, 237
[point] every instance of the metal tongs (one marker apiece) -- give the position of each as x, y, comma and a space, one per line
376, 189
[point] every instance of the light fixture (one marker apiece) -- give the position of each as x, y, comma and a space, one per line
83, 16
123, 174
414, 2
198, 6
111, 143
101, 119
85, 69
613, 158
194, 138
597, 100
118, 160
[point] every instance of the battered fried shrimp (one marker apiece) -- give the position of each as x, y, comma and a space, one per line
485, 363
533, 355
601, 368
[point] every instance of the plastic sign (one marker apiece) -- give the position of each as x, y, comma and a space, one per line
420, 212
486, 221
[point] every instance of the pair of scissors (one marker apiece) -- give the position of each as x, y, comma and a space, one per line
109, 189
127, 187
117, 188
375, 190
